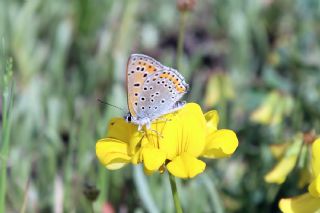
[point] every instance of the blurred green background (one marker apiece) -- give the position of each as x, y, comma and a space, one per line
256, 61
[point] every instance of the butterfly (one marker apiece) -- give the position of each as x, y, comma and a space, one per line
153, 90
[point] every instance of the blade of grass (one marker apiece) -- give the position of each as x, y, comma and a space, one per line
144, 190
7, 92
213, 193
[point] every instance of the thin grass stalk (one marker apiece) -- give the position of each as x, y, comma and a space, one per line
7, 91
175, 193
182, 26
25, 197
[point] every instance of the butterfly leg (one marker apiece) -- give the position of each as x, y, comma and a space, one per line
142, 122
148, 124
157, 133
162, 120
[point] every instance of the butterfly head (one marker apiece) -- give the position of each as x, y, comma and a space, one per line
128, 117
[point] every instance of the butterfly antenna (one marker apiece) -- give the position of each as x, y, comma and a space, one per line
106, 103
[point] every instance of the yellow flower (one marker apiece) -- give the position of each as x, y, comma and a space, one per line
308, 202
219, 87
275, 107
289, 155
174, 141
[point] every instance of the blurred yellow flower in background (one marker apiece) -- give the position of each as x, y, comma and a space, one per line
274, 109
308, 202
174, 142
219, 88
288, 156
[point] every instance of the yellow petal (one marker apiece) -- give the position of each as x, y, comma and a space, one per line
119, 129
137, 157
262, 115
221, 143
278, 150
314, 187
136, 139
301, 204
153, 158
186, 166
212, 120
316, 157
112, 153
193, 132
213, 91
280, 172
182, 131
148, 172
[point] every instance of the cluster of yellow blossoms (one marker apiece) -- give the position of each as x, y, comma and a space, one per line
174, 142
310, 201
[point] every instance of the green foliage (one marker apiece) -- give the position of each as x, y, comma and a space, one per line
67, 54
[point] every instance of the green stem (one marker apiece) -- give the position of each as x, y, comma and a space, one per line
91, 207
7, 91
175, 193
183, 17
25, 197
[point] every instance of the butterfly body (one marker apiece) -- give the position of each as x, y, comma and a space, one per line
153, 89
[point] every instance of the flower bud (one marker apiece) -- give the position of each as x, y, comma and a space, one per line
185, 5
90, 191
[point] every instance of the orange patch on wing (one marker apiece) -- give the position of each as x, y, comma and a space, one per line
133, 89
179, 89
151, 69
164, 75
176, 82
